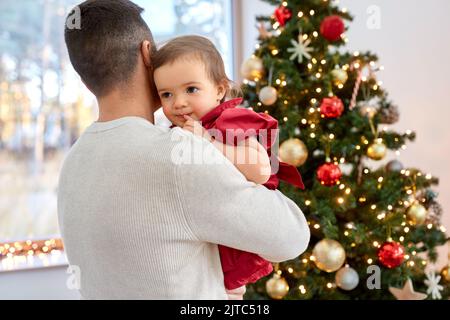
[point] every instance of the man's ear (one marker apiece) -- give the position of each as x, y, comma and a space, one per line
146, 48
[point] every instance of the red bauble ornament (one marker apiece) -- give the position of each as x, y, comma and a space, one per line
332, 107
283, 15
332, 28
391, 254
329, 174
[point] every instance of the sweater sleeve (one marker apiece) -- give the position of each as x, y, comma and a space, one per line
222, 207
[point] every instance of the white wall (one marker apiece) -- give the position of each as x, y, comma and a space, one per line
37, 284
413, 44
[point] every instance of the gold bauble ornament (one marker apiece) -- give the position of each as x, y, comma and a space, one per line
377, 150
268, 96
253, 69
416, 213
445, 273
329, 255
277, 287
367, 111
293, 152
340, 77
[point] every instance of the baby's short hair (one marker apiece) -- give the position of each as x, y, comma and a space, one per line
201, 48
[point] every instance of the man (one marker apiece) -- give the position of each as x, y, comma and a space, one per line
136, 221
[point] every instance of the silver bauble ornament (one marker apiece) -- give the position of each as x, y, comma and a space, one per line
268, 96
347, 278
394, 166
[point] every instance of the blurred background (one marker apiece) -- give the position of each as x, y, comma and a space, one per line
44, 107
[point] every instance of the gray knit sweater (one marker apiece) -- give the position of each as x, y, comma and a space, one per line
142, 208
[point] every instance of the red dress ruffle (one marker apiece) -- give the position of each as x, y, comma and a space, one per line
234, 125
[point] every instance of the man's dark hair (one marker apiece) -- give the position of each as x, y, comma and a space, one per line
105, 50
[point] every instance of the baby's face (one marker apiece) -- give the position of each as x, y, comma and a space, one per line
185, 89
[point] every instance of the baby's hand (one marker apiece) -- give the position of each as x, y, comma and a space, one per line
196, 128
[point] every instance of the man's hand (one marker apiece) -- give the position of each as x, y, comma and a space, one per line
196, 128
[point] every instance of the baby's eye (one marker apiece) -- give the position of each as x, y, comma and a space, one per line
166, 95
192, 90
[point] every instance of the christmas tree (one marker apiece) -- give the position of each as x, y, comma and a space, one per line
375, 229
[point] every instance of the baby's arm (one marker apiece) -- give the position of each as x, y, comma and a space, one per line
249, 156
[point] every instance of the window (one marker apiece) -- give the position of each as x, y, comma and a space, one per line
44, 107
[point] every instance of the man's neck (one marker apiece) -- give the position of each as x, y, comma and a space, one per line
116, 105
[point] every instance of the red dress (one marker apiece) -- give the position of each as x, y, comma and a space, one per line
240, 267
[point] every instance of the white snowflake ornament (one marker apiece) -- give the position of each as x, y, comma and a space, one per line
300, 49
433, 285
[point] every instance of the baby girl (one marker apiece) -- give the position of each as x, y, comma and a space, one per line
190, 76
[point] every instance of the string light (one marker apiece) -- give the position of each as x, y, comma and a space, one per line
307, 202
302, 289
316, 226
274, 52
329, 285
312, 12
340, 200
369, 261
390, 207
290, 270
300, 14
315, 34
